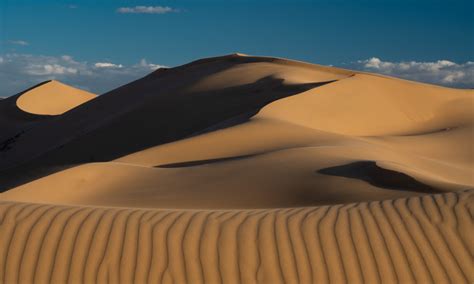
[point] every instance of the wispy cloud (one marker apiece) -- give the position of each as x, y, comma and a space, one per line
19, 42
441, 72
147, 10
72, 6
21, 71
107, 65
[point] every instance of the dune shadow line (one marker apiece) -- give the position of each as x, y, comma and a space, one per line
203, 162
371, 173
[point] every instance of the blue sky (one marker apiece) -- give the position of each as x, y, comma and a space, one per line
173, 32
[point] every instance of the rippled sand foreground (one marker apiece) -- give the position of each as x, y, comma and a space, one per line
417, 239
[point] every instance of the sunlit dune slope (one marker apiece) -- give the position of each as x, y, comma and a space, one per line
52, 98
373, 105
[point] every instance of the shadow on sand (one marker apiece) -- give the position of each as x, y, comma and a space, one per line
370, 172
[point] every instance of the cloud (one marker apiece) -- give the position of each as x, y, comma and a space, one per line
147, 10
49, 69
143, 63
107, 65
441, 72
21, 71
18, 42
72, 6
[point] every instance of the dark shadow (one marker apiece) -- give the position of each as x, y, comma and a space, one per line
9, 108
13, 120
202, 162
12, 178
370, 172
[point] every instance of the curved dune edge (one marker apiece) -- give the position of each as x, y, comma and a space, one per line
52, 98
417, 239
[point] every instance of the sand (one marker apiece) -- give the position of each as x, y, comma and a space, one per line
239, 169
52, 98
418, 239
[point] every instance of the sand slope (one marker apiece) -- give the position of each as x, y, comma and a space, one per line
285, 178
419, 239
283, 150
372, 105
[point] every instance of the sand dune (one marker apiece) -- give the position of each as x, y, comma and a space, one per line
285, 178
372, 105
52, 98
94, 131
239, 169
42, 102
419, 239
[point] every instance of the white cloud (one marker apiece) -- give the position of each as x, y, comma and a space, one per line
21, 71
18, 42
143, 63
49, 69
107, 65
147, 10
454, 77
441, 72
72, 6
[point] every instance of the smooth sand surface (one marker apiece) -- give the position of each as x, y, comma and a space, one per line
52, 98
242, 169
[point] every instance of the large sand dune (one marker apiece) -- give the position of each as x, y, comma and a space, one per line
239, 169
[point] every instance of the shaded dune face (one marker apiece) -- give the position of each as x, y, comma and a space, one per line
35, 106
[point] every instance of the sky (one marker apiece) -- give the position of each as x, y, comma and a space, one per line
101, 44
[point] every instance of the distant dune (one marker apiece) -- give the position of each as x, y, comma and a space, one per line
239, 169
52, 98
